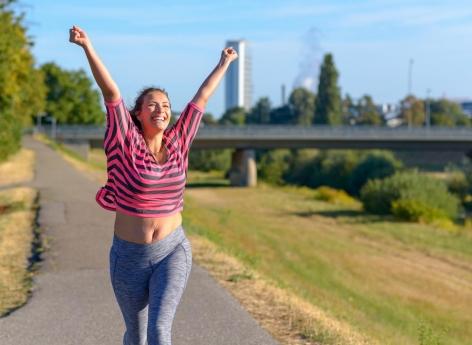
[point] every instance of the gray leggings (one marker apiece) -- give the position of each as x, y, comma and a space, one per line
148, 281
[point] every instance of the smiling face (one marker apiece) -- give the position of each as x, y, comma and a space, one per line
155, 112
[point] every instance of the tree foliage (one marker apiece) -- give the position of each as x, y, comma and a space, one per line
234, 116
328, 99
260, 112
367, 113
447, 113
70, 97
302, 104
207, 160
21, 85
272, 166
348, 110
282, 115
209, 119
412, 111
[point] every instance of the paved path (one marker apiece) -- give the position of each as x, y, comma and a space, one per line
73, 301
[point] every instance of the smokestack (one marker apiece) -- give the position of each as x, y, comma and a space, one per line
283, 94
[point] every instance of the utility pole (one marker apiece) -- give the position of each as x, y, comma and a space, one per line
410, 72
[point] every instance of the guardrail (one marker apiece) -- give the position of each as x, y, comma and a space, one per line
296, 137
286, 132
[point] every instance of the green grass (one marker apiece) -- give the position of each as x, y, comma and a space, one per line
397, 282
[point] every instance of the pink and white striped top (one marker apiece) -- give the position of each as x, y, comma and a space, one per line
138, 185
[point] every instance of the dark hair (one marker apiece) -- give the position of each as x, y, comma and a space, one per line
139, 103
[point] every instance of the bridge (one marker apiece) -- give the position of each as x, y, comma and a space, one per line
245, 139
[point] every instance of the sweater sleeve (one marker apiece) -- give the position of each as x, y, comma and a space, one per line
186, 126
119, 124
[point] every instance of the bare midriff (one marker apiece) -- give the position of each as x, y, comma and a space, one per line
145, 230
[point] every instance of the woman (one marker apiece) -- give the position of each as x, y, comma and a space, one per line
147, 161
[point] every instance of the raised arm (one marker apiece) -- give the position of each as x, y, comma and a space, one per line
211, 82
109, 89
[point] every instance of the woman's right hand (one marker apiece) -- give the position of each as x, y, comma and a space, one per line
78, 36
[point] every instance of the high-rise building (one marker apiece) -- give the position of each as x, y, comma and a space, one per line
238, 83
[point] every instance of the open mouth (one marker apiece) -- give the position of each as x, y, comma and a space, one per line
158, 118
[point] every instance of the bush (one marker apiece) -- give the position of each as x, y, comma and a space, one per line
457, 184
375, 165
297, 172
334, 169
331, 168
207, 160
416, 211
272, 166
424, 194
334, 196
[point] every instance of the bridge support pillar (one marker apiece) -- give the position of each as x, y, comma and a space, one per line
243, 168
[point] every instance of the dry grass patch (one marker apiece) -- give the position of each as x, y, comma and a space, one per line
17, 219
287, 317
19, 168
16, 237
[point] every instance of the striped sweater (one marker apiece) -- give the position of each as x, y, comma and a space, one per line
138, 185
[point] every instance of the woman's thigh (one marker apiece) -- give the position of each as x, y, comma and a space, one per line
166, 287
130, 280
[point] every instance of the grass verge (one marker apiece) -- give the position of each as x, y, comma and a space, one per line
19, 235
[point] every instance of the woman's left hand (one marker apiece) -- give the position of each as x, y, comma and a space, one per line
228, 55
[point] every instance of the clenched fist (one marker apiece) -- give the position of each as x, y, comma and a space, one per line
228, 55
78, 36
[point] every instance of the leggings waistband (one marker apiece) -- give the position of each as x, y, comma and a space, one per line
158, 248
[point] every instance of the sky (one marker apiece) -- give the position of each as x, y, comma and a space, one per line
176, 44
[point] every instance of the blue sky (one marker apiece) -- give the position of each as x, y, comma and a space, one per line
175, 44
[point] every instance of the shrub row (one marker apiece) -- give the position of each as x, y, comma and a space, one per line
410, 195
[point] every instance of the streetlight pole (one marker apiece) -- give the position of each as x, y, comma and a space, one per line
410, 72
409, 95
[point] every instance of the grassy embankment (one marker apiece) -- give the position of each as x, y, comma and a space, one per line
395, 282
330, 272
18, 206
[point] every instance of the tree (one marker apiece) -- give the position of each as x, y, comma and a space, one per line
302, 103
328, 99
367, 112
70, 97
209, 119
447, 113
21, 85
282, 115
260, 112
412, 111
349, 111
234, 116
